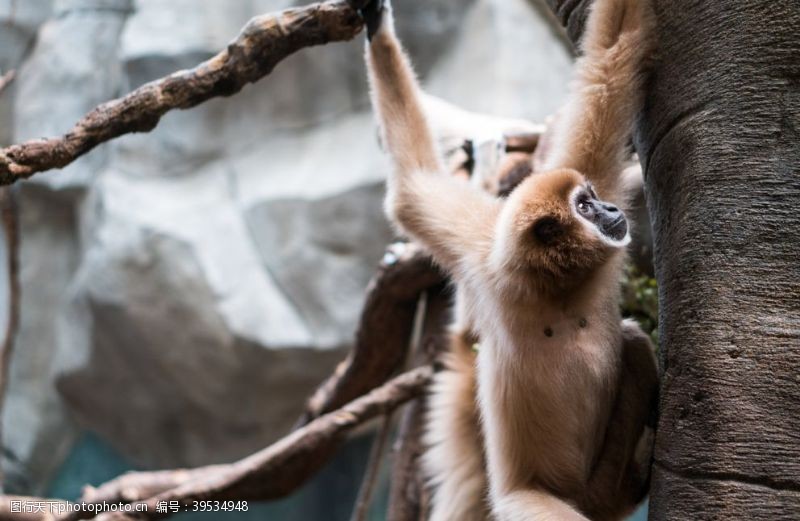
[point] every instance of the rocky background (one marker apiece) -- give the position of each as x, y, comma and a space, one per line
184, 290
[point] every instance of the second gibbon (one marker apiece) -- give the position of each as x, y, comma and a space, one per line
549, 420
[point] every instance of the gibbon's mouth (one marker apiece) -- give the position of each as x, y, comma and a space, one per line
616, 229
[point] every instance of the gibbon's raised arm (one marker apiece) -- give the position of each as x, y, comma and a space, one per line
447, 215
594, 132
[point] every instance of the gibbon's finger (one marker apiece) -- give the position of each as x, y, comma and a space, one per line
372, 13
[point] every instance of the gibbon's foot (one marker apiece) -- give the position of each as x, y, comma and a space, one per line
372, 13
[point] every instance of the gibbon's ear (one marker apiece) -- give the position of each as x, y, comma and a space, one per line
547, 230
372, 13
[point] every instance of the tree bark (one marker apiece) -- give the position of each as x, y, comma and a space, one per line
384, 329
720, 139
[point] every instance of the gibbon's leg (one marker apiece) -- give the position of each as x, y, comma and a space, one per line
621, 475
534, 505
453, 459
449, 217
594, 131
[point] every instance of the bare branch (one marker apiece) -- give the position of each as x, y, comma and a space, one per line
6, 79
524, 142
263, 42
136, 486
8, 216
372, 470
279, 469
384, 330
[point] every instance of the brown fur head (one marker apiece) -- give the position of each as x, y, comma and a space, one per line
554, 228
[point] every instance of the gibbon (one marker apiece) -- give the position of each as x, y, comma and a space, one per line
549, 419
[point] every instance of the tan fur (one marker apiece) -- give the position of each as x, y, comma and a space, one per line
563, 386
460, 491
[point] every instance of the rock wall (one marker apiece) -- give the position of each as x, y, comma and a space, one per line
184, 290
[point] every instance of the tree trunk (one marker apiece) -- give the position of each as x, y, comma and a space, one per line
720, 140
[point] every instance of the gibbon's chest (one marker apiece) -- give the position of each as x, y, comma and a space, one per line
550, 377
581, 341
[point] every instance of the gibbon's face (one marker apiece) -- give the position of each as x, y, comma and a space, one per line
555, 224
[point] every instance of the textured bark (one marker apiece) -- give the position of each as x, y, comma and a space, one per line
279, 469
721, 136
384, 329
720, 139
262, 43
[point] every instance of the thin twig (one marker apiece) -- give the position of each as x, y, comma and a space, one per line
6, 79
262, 43
384, 330
371, 472
8, 215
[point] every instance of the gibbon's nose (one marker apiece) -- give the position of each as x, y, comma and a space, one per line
612, 222
610, 208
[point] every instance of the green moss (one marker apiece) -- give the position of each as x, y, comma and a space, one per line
640, 300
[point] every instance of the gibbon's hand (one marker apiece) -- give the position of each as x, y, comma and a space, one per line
372, 13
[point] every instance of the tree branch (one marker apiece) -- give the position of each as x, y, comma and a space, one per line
6, 79
384, 330
273, 472
263, 42
8, 216
372, 471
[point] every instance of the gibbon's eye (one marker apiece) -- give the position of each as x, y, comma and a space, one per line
547, 230
584, 204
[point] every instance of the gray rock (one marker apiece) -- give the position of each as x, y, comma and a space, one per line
73, 67
37, 429
172, 367
19, 22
